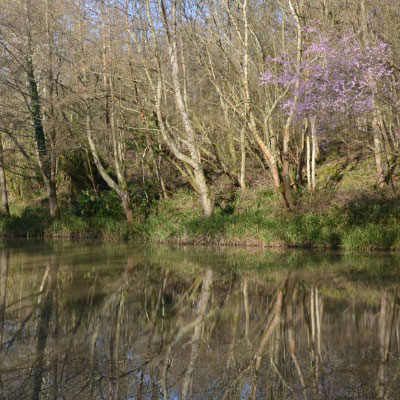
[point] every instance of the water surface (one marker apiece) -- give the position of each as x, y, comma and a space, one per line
89, 321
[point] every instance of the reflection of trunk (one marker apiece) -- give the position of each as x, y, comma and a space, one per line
164, 372
154, 314
246, 309
201, 312
114, 350
189, 294
292, 341
385, 326
269, 329
4, 264
230, 362
313, 322
315, 336
272, 323
118, 296
42, 330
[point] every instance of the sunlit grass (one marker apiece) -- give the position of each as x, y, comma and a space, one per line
253, 218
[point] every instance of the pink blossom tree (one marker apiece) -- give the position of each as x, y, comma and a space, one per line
334, 76
338, 75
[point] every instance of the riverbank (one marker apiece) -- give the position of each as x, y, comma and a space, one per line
252, 218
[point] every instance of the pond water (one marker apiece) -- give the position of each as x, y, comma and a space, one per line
89, 321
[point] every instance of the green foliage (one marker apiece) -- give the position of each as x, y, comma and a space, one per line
31, 223
79, 167
105, 205
36, 222
144, 197
371, 211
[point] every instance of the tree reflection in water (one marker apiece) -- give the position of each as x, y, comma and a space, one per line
158, 323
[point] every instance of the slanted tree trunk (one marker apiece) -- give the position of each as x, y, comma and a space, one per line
179, 83
121, 191
238, 91
119, 184
182, 106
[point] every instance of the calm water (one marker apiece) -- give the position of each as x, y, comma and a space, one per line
87, 321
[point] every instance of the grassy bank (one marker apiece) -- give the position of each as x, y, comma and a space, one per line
35, 222
253, 218
256, 218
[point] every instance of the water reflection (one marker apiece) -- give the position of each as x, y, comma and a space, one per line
90, 322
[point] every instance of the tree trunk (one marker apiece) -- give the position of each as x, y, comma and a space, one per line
128, 211
242, 180
207, 202
36, 115
308, 162
378, 152
51, 185
52, 196
313, 152
121, 191
3, 184
285, 168
178, 74
4, 265
296, 12
302, 154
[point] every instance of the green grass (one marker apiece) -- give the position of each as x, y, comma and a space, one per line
252, 218
257, 219
35, 222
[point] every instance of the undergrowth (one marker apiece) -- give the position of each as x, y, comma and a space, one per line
253, 217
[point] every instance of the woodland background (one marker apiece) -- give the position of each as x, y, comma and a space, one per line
276, 120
